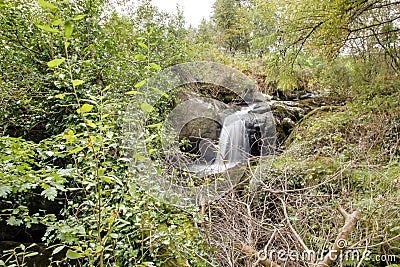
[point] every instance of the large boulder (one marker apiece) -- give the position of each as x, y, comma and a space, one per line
197, 119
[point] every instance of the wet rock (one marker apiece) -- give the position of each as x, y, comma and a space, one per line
286, 114
289, 109
196, 119
261, 129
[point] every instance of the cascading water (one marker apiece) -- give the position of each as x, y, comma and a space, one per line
233, 145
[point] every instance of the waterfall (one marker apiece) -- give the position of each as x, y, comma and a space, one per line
233, 145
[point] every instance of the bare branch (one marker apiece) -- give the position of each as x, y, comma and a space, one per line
252, 252
341, 240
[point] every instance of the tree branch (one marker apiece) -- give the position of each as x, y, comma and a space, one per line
341, 240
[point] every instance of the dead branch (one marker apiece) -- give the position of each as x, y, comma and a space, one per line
299, 239
341, 240
252, 252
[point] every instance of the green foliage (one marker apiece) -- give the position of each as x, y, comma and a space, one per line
70, 69
18, 256
79, 70
232, 24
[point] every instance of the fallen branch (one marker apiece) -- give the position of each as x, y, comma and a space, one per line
252, 252
341, 240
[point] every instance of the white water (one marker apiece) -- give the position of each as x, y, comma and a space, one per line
233, 145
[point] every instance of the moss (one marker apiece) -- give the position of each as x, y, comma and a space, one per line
347, 157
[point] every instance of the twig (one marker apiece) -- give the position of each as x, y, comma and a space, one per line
299, 239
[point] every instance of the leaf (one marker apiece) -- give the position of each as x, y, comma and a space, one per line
140, 57
56, 22
77, 82
57, 249
143, 45
140, 84
50, 193
90, 123
101, 171
106, 88
5, 190
68, 29
73, 255
155, 66
134, 93
114, 235
76, 150
79, 17
60, 96
13, 221
32, 254
55, 62
47, 28
146, 107
43, 4
395, 229
154, 125
139, 157
85, 108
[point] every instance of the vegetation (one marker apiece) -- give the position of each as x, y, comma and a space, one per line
71, 68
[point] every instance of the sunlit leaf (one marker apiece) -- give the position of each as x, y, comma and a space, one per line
44, 4
133, 93
60, 96
90, 123
68, 29
55, 62
73, 255
56, 22
79, 17
86, 108
76, 150
77, 82
155, 66
139, 157
140, 84
47, 28
143, 45
147, 107
154, 125
114, 235
58, 249
14, 221
140, 57
31, 254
